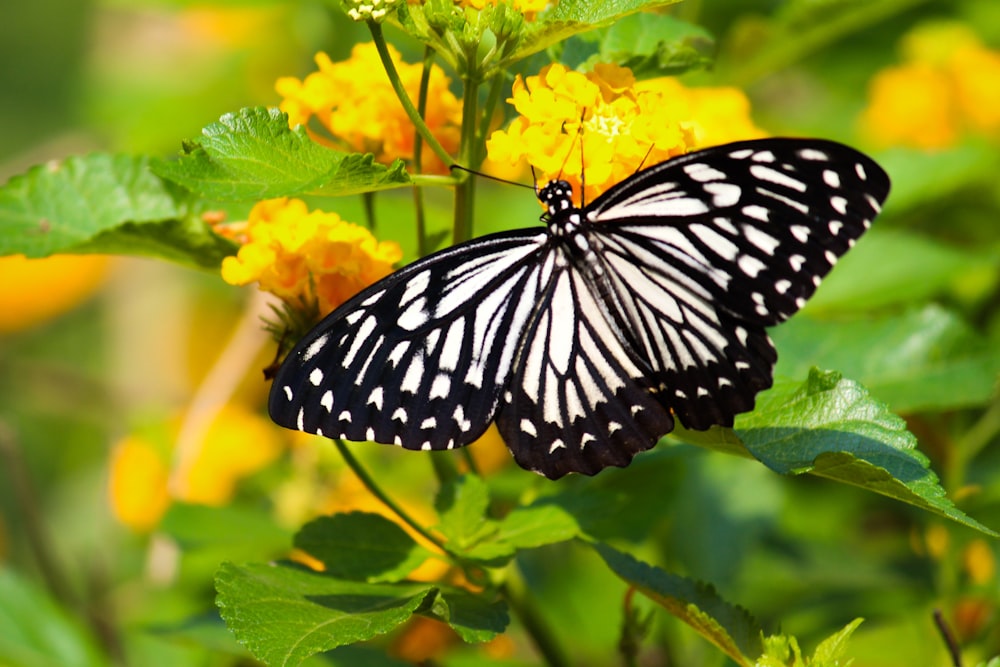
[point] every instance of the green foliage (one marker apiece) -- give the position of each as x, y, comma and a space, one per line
252, 154
102, 203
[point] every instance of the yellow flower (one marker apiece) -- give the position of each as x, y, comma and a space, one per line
614, 123
944, 89
46, 287
307, 257
355, 103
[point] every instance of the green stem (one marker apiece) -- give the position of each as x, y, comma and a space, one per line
397, 85
492, 99
376, 491
418, 151
465, 190
970, 445
523, 607
368, 201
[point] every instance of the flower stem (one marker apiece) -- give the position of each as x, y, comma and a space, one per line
376, 491
397, 85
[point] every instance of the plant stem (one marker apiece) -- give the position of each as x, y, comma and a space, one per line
376, 491
404, 98
465, 189
515, 593
418, 151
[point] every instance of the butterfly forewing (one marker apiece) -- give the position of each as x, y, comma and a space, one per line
419, 358
756, 223
584, 341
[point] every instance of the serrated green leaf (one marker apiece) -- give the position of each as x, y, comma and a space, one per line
729, 627
473, 617
572, 17
37, 632
831, 427
919, 359
361, 546
285, 614
253, 154
188, 241
538, 524
461, 506
102, 203
650, 45
832, 651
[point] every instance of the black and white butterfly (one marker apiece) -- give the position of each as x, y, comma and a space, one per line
586, 339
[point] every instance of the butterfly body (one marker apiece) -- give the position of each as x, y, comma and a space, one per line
586, 339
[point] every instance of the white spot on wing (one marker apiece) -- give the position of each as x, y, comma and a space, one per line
314, 347
315, 377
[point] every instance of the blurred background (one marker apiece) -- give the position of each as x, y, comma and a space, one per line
119, 497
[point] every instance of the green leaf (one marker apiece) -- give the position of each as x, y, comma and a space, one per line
253, 154
461, 505
916, 360
648, 44
285, 614
831, 427
38, 633
361, 546
474, 618
729, 627
572, 17
188, 241
102, 203
832, 651
538, 524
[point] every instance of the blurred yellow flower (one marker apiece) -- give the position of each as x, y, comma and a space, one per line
613, 122
137, 483
945, 88
306, 257
354, 101
46, 287
144, 479
527, 7
237, 444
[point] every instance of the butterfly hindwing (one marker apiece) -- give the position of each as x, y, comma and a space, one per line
419, 358
577, 400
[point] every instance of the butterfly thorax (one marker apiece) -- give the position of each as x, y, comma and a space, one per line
563, 218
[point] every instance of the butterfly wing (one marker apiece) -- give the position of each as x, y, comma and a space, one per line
577, 400
419, 358
700, 253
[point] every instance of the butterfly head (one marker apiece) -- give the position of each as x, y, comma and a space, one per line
557, 196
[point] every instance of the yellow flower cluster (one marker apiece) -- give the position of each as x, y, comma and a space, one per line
306, 257
947, 86
615, 123
355, 103
528, 7
238, 443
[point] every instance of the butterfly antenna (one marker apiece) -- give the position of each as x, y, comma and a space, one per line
455, 167
642, 162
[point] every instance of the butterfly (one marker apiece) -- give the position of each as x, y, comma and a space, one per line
587, 339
